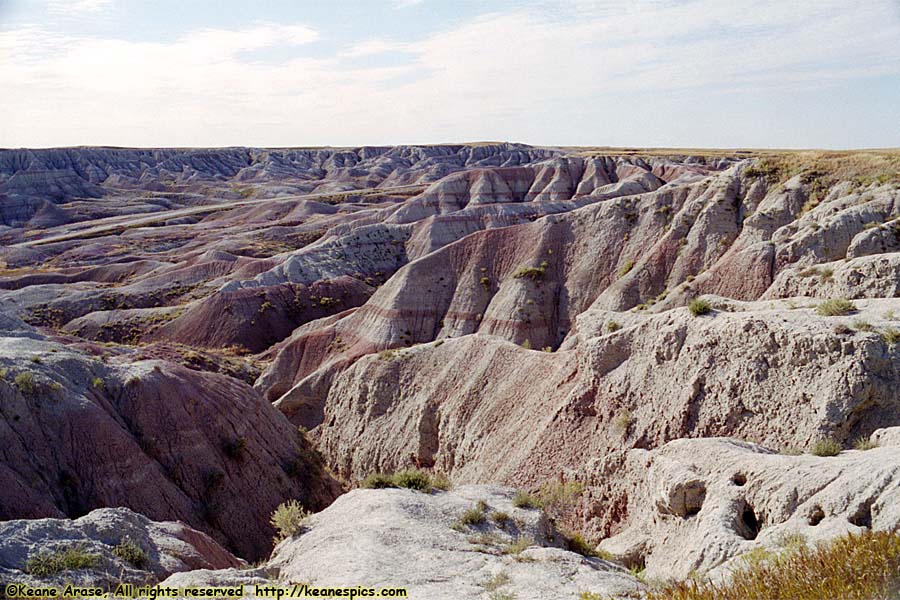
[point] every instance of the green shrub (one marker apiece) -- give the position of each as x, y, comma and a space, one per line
377, 481
131, 553
532, 273
526, 500
612, 326
860, 325
699, 307
25, 382
496, 582
864, 443
288, 519
825, 447
864, 567
527, 344
575, 542
835, 307
474, 516
500, 518
45, 564
891, 336
558, 497
626, 268
97, 382
412, 479
439, 481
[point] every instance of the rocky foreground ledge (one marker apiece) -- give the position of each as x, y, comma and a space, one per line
698, 507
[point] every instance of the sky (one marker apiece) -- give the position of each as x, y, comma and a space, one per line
643, 73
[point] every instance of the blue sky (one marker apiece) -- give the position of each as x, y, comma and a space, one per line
690, 73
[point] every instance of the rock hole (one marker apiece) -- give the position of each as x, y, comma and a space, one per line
739, 479
749, 525
863, 516
816, 516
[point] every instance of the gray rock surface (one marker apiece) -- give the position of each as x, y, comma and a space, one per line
389, 538
699, 505
168, 547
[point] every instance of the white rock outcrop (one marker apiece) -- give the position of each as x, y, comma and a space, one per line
699, 505
168, 547
403, 538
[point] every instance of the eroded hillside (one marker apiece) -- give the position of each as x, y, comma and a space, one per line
497, 313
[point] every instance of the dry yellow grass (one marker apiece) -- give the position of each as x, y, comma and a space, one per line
854, 567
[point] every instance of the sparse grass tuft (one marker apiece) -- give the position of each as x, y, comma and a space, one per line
288, 519
576, 543
377, 481
25, 382
864, 443
891, 336
626, 268
612, 326
825, 447
500, 518
526, 500
45, 564
860, 325
97, 382
412, 479
131, 553
496, 582
520, 544
533, 273
835, 307
387, 354
699, 307
559, 497
474, 516
865, 567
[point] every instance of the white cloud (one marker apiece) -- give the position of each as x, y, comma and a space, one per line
407, 3
75, 7
582, 74
373, 47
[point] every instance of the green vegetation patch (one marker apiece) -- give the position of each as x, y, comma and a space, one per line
413, 479
865, 566
835, 307
46, 564
288, 519
700, 307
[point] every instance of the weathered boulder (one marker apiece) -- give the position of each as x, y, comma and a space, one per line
404, 538
699, 505
120, 545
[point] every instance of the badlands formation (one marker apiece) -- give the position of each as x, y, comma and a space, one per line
698, 350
